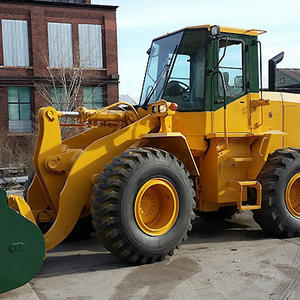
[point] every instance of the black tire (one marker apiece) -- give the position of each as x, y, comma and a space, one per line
81, 231
114, 198
274, 216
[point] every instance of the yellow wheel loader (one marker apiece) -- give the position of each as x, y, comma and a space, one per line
204, 138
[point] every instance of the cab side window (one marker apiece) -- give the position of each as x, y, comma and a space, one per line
231, 67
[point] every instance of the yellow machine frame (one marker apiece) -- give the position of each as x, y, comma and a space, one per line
224, 151
66, 170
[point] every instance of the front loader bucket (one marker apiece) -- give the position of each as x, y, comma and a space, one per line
22, 247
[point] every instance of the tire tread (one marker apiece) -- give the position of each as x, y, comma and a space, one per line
270, 216
106, 204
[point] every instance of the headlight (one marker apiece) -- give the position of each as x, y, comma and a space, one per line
162, 108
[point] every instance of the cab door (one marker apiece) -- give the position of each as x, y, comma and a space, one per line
230, 85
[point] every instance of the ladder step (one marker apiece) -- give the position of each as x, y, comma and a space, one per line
242, 187
240, 159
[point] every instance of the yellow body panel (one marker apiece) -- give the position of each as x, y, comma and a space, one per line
255, 127
177, 145
291, 121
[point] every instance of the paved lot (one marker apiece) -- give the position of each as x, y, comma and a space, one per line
228, 260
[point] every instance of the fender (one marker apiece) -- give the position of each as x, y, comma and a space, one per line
174, 143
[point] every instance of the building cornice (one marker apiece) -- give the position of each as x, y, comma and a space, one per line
61, 4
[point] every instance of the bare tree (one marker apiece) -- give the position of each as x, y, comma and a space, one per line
61, 88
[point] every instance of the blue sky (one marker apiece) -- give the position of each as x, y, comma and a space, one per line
141, 21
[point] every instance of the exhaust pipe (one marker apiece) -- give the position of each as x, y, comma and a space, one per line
272, 70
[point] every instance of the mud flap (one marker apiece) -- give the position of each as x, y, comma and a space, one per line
22, 247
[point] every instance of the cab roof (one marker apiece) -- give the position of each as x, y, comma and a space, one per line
252, 31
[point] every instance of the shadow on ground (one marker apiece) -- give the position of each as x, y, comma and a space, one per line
91, 256
240, 228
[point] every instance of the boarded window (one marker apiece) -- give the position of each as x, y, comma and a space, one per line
60, 45
19, 109
90, 46
93, 97
15, 43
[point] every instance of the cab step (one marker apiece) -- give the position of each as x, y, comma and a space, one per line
242, 186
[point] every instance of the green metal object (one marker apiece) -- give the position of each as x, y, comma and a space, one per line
22, 248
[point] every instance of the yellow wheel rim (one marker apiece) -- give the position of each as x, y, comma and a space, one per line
292, 195
156, 206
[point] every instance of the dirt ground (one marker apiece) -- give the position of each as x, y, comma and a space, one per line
226, 260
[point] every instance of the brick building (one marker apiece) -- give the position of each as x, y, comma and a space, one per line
59, 31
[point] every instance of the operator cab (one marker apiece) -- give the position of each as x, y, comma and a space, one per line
200, 68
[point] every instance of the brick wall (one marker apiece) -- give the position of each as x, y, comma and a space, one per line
38, 15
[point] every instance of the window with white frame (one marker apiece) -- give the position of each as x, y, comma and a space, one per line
19, 109
90, 46
60, 45
15, 43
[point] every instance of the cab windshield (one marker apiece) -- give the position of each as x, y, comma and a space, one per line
176, 70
